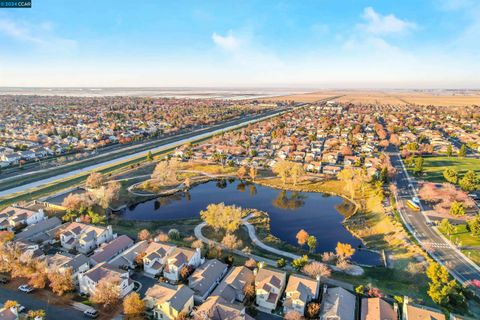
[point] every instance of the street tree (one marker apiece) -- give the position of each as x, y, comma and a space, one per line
302, 237
133, 304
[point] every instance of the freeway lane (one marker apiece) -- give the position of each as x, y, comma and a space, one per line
459, 266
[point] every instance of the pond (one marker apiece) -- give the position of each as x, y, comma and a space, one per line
289, 212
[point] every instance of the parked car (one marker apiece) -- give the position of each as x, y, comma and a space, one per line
21, 309
25, 288
91, 313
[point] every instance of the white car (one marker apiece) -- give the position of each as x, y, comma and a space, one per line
91, 313
20, 309
25, 288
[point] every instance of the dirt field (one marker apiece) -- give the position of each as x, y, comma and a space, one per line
436, 98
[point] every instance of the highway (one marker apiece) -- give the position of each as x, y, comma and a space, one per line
459, 266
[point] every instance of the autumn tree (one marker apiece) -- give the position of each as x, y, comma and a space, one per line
474, 225
10, 304
282, 169
457, 209
313, 310
241, 172
95, 180
252, 172
220, 216
165, 172
317, 269
36, 314
231, 242
197, 244
74, 202
296, 172
144, 234
344, 251
108, 193
61, 281
470, 181
133, 305
249, 292
312, 243
107, 291
302, 237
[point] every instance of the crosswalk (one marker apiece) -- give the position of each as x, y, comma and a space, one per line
437, 245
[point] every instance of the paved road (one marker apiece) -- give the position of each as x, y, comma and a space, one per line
169, 143
420, 226
31, 302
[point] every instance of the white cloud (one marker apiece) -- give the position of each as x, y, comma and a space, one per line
40, 35
228, 42
378, 24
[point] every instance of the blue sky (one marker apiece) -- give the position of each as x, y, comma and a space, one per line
322, 44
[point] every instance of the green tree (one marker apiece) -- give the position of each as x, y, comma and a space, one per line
149, 156
447, 227
451, 175
442, 289
449, 151
418, 169
470, 181
457, 209
463, 151
312, 243
300, 262
474, 225
281, 263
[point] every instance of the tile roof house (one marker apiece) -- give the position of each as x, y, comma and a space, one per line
155, 257
84, 237
377, 308
414, 312
337, 304
110, 250
205, 278
217, 308
269, 285
14, 216
168, 301
179, 258
299, 292
232, 286
89, 280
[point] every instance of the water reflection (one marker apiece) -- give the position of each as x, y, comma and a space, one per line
292, 202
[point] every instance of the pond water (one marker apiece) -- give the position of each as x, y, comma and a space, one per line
289, 212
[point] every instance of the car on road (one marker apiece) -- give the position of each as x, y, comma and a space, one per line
91, 313
25, 288
21, 309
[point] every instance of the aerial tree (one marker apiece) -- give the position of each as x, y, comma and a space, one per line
10, 304
241, 172
313, 310
447, 227
61, 281
36, 314
252, 172
282, 169
296, 172
220, 216
106, 195
133, 305
470, 181
418, 169
457, 209
95, 180
149, 156
302, 237
449, 151
442, 289
451, 175
344, 251
474, 225
312, 243
231, 242
144, 234
107, 292
165, 172
317, 269
463, 151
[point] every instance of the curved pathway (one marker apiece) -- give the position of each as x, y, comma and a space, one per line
353, 270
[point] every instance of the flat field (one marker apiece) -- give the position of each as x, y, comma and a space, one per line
434, 167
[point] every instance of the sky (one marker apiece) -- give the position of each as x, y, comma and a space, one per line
296, 44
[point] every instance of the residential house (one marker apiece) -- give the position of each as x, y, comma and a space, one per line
84, 237
15, 216
205, 278
9, 313
233, 285
377, 308
62, 261
89, 280
217, 308
29, 250
126, 259
155, 257
299, 292
269, 285
110, 250
168, 301
40, 232
337, 304
416, 312
179, 258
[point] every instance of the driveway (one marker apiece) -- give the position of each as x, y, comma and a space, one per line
146, 282
31, 302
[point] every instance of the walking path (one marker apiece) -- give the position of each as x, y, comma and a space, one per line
353, 270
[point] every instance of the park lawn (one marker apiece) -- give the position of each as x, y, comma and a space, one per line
462, 236
433, 167
474, 255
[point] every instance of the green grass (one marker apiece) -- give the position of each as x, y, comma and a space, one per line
463, 236
433, 167
474, 255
